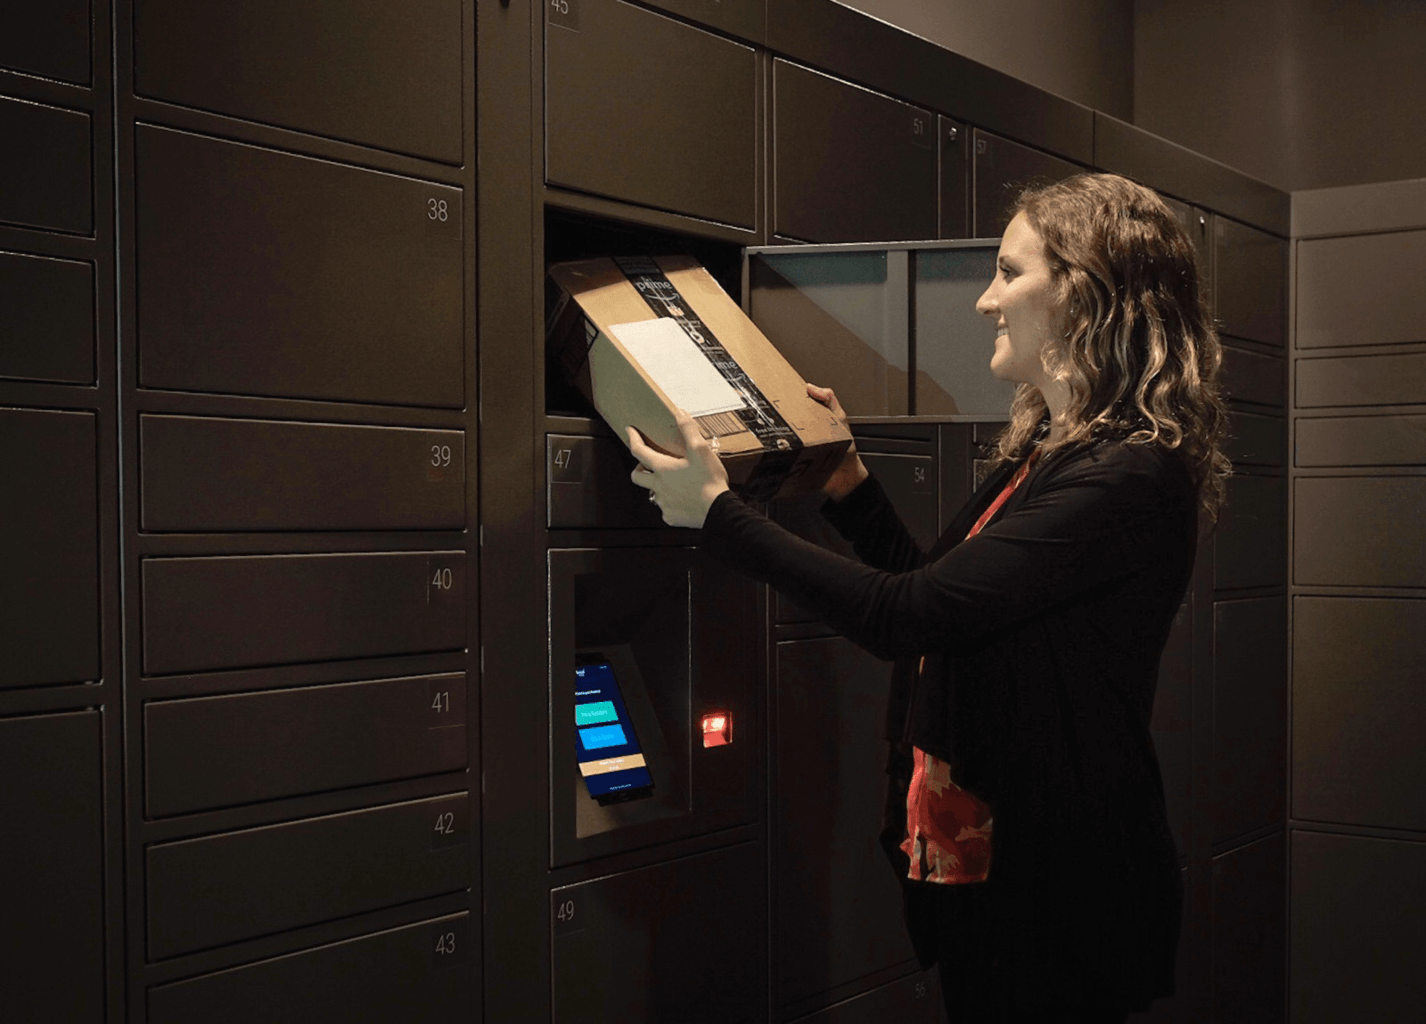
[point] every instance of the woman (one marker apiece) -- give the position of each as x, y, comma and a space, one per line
1026, 814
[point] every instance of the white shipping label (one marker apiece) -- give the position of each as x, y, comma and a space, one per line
678, 366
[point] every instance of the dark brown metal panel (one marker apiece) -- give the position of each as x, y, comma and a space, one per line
270, 274
588, 485
416, 972
1254, 377
1249, 715
1121, 148
647, 109
49, 38
1360, 531
1250, 933
49, 547
46, 166
1357, 713
914, 999
746, 19
848, 164
910, 483
954, 142
1341, 282
1001, 170
866, 50
52, 861
1361, 441
230, 612
221, 751
204, 473
1250, 282
1250, 548
223, 888
46, 319
838, 915
1361, 380
1255, 440
1172, 725
678, 941
1357, 942
367, 71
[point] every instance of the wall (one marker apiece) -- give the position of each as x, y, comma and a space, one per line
1303, 94
1082, 50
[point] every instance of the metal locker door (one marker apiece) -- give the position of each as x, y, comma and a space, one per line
1250, 282
646, 109
49, 38
366, 71
1250, 548
849, 164
265, 273
49, 591
46, 319
1002, 169
46, 167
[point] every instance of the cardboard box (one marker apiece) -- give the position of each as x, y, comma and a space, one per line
642, 337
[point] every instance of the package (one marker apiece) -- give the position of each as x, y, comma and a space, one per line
642, 337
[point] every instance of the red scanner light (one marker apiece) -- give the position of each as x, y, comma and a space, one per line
717, 729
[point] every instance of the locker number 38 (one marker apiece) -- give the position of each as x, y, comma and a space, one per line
436, 209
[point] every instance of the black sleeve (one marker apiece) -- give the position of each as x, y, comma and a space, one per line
867, 518
1091, 517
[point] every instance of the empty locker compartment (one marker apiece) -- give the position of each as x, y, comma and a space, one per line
587, 485
1250, 282
955, 145
361, 70
838, 915
675, 630
223, 888
1002, 170
1250, 548
52, 861
46, 167
679, 941
46, 319
415, 972
237, 611
953, 342
1249, 715
217, 751
266, 273
49, 591
849, 164
205, 473
49, 38
1359, 531
646, 109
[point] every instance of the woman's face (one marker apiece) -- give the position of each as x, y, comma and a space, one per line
1021, 299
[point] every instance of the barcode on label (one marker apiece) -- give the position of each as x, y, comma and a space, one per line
720, 424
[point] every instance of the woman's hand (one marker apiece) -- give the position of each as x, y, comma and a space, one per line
850, 471
683, 489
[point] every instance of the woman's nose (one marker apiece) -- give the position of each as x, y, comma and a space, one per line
985, 305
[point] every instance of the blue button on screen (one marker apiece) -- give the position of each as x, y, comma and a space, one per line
602, 736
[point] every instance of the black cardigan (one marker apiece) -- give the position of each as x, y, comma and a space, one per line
1042, 637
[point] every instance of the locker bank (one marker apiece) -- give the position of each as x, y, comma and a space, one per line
313, 559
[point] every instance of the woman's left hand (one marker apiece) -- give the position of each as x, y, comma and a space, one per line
683, 489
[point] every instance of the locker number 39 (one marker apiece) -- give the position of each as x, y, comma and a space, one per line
440, 455
436, 209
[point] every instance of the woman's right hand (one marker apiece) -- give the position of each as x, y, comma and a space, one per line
850, 471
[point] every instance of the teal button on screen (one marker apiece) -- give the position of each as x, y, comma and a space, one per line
595, 712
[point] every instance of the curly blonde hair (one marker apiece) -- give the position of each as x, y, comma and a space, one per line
1138, 349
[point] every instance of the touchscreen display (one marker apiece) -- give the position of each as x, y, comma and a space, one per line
610, 758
